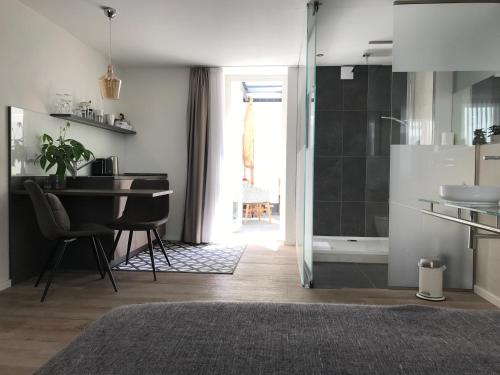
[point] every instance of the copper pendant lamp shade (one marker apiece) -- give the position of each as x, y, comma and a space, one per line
109, 83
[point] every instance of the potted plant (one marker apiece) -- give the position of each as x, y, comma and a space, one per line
62, 153
479, 137
494, 133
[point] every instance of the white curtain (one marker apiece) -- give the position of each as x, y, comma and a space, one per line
217, 213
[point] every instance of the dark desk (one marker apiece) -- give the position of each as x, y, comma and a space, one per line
142, 193
87, 200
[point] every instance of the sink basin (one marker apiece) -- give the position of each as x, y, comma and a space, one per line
470, 194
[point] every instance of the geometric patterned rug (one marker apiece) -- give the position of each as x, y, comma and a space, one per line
184, 257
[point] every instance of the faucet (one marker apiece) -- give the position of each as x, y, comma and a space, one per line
394, 119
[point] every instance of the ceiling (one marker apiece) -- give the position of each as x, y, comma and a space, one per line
186, 32
224, 32
344, 28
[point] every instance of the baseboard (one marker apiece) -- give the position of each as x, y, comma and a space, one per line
5, 284
488, 296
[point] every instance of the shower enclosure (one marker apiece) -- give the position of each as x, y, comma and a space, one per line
349, 117
306, 91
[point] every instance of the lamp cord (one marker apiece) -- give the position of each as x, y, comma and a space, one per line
109, 56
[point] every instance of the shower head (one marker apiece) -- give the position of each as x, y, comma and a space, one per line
402, 122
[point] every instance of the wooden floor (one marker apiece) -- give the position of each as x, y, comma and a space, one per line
32, 332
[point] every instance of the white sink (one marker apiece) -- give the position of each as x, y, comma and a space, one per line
470, 194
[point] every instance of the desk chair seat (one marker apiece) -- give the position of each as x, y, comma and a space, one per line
55, 225
144, 214
87, 230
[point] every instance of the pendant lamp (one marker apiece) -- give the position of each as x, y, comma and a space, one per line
109, 83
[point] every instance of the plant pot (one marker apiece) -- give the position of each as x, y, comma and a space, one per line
495, 138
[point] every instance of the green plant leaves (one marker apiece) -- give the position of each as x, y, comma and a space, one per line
62, 153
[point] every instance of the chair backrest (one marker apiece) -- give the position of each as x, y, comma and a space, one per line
148, 209
50, 214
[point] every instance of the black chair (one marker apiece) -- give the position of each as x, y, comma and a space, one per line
55, 225
144, 214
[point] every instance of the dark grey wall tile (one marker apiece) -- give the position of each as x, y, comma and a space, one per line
328, 88
376, 273
377, 179
378, 139
353, 179
352, 147
379, 88
355, 90
398, 94
352, 219
354, 133
326, 219
328, 133
327, 178
377, 215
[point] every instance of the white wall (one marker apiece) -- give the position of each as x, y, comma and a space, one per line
417, 172
39, 59
155, 101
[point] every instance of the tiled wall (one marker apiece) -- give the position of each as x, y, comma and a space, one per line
352, 145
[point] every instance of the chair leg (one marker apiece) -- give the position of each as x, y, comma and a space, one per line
161, 245
150, 245
47, 264
96, 256
105, 260
115, 244
130, 234
61, 249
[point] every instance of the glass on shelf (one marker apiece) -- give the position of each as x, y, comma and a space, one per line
63, 104
68, 104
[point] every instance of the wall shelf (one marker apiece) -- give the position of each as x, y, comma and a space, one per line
93, 123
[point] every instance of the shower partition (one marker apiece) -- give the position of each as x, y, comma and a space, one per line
344, 132
354, 130
305, 147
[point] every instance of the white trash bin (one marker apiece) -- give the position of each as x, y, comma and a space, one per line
430, 279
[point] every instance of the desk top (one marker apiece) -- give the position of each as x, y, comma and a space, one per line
142, 193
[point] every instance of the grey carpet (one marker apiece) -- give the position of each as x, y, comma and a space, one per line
185, 257
259, 338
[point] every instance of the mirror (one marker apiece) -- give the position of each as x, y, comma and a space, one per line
26, 129
476, 105
445, 108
